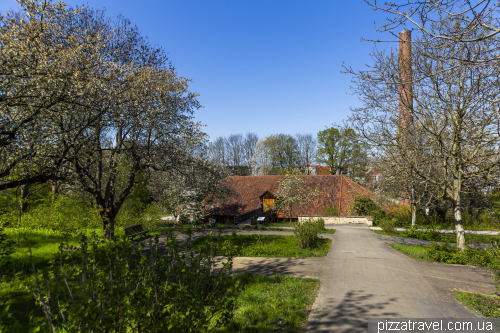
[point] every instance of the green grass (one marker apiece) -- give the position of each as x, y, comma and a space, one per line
415, 252
440, 237
268, 228
272, 304
281, 224
266, 246
488, 306
446, 254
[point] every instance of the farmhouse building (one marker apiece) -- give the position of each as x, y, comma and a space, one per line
256, 194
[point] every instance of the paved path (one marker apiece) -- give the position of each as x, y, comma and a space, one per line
361, 278
364, 278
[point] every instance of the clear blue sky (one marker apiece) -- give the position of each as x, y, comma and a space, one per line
261, 66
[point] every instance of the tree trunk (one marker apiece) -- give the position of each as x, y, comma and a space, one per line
54, 185
24, 195
109, 227
459, 227
413, 215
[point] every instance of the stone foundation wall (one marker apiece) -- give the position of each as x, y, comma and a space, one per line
368, 220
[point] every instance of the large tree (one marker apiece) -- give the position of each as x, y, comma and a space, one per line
340, 149
307, 150
52, 72
150, 125
283, 152
454, 125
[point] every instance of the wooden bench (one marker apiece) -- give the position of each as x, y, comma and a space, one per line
134, 230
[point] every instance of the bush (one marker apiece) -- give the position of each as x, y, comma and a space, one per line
377, 214
116, 287
388, 226
363, 206
307, 232
66, 214
331, 211
446, 253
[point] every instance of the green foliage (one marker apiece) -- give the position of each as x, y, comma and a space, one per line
340, 149
116, 287
445, 253
284, 154
306, 232
428, 234
330, 211
387, 226
378, 214
266, 246
363, 206
431, 234
67, 214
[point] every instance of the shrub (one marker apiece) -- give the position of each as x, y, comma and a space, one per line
452, 255
388, 226
331, 211
66, 214
363, 206
116, 287
307, 232
378, 214
320, 223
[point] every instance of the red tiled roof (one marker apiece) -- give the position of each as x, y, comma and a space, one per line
323, 170
336, 190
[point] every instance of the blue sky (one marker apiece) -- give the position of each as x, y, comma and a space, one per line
259, 66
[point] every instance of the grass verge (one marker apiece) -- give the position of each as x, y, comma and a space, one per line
272, 304
446, 254
440, 237
488, 306
266, 246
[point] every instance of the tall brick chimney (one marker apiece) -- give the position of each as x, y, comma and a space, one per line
405, 75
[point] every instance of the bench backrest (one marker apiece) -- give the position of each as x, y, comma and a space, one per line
133, 229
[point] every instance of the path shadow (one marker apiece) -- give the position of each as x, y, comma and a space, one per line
350, 314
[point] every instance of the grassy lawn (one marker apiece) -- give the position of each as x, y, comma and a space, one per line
439, 237
267, 246
446, 255
488, 306
273, 304
270, 227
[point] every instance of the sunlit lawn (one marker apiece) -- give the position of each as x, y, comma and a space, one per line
268, 246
